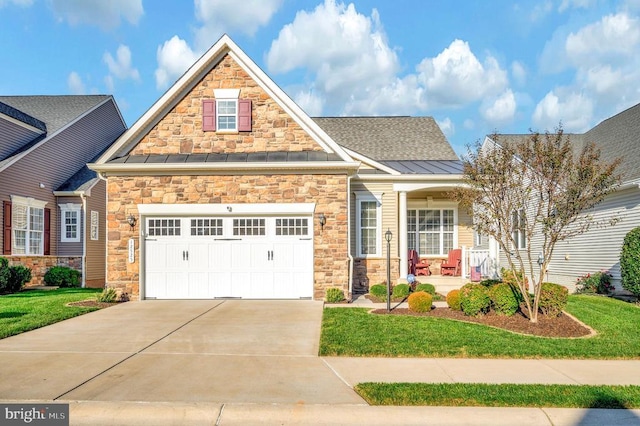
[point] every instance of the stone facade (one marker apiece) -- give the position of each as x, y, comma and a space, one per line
367, 272
180, 131
39, 265
329, 192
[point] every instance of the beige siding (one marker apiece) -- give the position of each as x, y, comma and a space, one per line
389, 214
96, 249
68, 248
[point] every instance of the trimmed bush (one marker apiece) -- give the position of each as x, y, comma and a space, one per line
453, 300
334, 295
108, 295
420, 301
400, 291
630, 262
553, 299
379, 291
19, 276
474, 299
428, 288
5, 274
62, 276
489, 282
599, 282
512, 277
505, 299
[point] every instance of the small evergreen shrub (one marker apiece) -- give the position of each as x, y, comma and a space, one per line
19, 276
428, 288
474, 299
62, 276
379, 291
5, 274
453, 300
505, 299
420, 301
108, 295
512, 277
334, 295
553, 299
489, 282
630, 262
599, 282
400, 291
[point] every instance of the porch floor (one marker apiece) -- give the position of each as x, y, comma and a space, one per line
443, 283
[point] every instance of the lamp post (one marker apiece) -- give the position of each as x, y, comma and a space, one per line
387, 237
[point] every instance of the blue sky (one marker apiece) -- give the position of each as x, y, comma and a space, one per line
475, 66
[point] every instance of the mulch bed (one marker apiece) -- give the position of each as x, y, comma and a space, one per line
562, 326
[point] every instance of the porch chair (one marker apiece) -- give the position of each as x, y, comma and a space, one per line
422, 267
413, 260
453, 263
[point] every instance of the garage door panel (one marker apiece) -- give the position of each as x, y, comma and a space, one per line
175, 285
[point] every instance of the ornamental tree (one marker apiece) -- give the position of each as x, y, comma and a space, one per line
530, 192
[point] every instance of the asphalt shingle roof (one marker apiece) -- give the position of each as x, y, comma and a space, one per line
12, 112
389, 138
54, 111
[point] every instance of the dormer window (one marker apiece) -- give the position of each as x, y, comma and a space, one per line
226, 113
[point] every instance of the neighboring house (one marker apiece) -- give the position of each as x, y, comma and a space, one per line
599, 248
54, 207
226, 188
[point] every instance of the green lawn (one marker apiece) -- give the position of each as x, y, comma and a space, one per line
355, 332
32, 309
502, 395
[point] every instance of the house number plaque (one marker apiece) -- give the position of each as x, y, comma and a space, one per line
132, 247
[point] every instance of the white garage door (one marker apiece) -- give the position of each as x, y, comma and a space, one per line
240, 257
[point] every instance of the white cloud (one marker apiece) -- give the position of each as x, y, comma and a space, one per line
121, 65
499, 110
174, 58
573, 110
108, 82
75, 84
220, 16
105, 14
456, 77
447, 126
310, 102
575, 4
541, 10
469, 124
519, 73
22, 3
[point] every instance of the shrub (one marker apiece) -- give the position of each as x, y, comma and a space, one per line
5, 274
19, 276
489, 282
400, 291
599, 282
62, 276
553, 299
334, 295
428, 288
505, 299
420, 301
379, 291
108, 295
453, 300
512, 277
474, 299
630, 262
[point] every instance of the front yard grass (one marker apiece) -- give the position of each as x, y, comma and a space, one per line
31, 309
355, 332
500, 395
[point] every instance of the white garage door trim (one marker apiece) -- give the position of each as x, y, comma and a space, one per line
228, 261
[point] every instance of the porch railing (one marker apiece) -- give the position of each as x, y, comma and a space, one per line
472, 258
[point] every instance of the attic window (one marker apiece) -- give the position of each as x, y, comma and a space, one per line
226, 113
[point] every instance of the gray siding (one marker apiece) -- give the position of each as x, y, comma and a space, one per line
58, 159
96, 249
13, 137
68, 248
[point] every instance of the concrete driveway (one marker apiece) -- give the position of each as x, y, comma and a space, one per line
220, 351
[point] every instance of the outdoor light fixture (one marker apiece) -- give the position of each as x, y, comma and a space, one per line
323, 220
388, 235
131, 220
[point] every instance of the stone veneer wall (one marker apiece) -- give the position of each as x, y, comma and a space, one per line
39, 265
180, 131
367, 272
327, 191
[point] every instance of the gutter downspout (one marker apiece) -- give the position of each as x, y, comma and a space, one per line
349, 256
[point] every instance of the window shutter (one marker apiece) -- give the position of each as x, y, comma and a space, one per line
47, 232
6, 240
209, 115
244, 115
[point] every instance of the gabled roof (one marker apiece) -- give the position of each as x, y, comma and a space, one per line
390, 138
224, 46
16, 114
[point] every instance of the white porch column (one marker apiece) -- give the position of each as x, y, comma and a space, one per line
402, 238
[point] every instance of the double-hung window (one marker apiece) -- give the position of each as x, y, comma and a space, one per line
227, 118
519, 221
70, 223
369, 226
27, 225
431, 232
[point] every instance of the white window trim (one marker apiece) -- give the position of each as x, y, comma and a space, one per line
364, 197
226, 95
430, 204
72, 208
29, 203
521, 240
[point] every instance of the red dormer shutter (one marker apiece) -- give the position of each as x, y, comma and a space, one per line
244, 115
209, 115
6, 227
